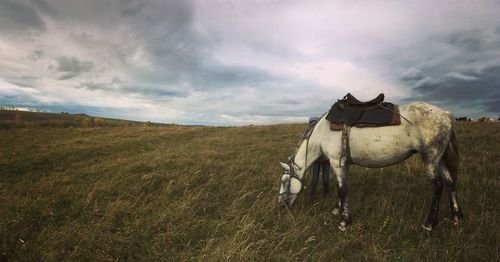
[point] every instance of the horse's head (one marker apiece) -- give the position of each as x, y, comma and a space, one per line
290, 185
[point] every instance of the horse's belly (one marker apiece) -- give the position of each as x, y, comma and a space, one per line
379, 147
380, 160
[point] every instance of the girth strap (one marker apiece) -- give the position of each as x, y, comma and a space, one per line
345, 157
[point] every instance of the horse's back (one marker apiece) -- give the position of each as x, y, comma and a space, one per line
430, 123
421, 125
424, 113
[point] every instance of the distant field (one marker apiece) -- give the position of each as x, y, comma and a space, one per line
24, 119
176, 193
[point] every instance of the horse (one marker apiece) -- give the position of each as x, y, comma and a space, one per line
428, 131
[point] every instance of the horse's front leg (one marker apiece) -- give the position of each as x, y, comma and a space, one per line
336, 206
345, 217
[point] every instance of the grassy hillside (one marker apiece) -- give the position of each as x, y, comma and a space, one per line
204, 193
24, 119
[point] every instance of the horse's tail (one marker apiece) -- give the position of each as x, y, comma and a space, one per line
451, 156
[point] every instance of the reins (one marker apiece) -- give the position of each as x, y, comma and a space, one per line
380, 105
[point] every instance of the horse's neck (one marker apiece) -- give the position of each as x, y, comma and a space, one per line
306, 154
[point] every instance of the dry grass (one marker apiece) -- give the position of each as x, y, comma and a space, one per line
207, 193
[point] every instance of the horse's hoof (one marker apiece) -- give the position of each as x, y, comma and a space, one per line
343, 226
427, 228
456, 221
336, 211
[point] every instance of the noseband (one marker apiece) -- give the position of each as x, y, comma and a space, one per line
292, 174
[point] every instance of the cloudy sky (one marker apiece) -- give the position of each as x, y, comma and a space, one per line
228, 62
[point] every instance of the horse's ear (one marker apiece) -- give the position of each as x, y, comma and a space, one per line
285, 166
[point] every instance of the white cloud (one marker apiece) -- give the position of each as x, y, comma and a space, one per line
462, 76
341, 77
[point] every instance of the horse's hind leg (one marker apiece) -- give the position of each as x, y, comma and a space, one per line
432, 170
450, 180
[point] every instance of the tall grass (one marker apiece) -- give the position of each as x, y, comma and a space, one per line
210, 193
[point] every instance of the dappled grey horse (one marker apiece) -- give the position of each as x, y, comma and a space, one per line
428, 131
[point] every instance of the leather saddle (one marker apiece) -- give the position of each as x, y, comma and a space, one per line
352, 101
373, 113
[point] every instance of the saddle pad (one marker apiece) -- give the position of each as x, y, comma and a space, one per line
374, 116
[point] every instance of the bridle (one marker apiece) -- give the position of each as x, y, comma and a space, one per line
293, 166
291, 162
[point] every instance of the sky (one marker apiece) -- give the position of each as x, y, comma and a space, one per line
225, 62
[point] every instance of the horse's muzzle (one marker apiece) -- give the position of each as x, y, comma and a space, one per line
285, 200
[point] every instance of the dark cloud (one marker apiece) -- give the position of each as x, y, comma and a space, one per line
17, 15
232, 77
72, 64
469, 41
173, 43
480, 90
132, 7
35, 55
289, 101
67, 76
23, 81
152, 91
44, 7
160, 33
119, 87
458, 70
72, 67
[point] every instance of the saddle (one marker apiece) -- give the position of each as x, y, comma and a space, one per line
352, 101
351, 112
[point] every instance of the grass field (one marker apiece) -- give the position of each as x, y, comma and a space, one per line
210, 193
